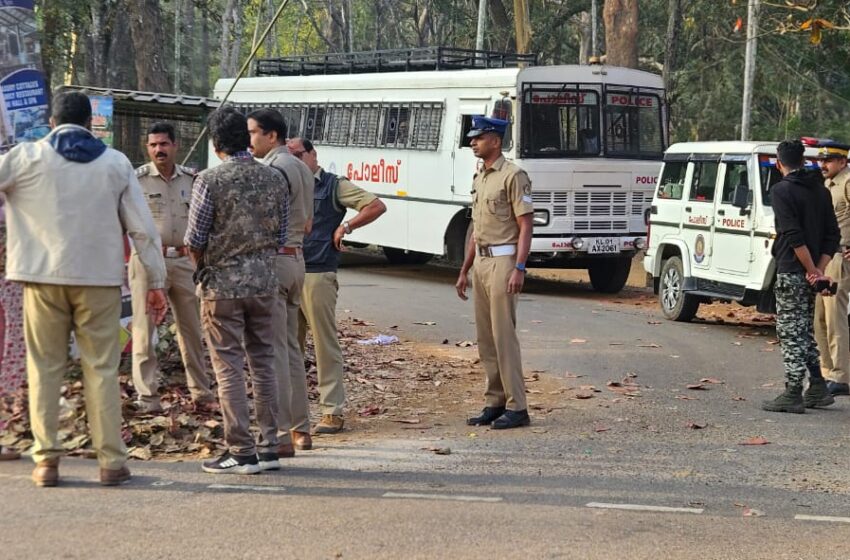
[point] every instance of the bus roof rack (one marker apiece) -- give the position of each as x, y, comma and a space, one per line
396, 60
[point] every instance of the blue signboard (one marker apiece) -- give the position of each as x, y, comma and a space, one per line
23, 103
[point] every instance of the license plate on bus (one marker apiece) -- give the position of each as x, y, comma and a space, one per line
602, 245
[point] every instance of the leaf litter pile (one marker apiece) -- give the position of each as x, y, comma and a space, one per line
396, 384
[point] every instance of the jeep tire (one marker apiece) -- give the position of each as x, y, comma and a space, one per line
608, 276
675, 303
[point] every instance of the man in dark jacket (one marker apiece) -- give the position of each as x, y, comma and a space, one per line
807, 236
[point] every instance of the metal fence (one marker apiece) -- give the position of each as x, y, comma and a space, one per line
135, 111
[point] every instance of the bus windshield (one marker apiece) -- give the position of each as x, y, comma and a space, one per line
591, 120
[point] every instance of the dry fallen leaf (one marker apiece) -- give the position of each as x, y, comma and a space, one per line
695, 426
590, 388
737, 398
583, 395
752, 512
569, 375
427, 323
697, 387
758, 440
601, 429
686, 398
650, 345
465, 344
712, 380
578, 341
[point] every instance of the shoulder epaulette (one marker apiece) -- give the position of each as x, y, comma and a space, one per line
188, 170
143, 171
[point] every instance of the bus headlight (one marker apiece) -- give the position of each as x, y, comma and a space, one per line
640, 243
578, 243
541, 217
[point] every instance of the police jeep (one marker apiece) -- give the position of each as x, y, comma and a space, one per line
711, 226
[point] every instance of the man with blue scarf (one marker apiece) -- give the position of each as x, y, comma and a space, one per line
70, 200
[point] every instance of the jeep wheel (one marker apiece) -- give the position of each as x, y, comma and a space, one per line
675, 303
608, 276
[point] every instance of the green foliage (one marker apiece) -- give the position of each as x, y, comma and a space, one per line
801, 87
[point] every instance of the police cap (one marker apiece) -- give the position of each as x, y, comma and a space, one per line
482, 124
830, 149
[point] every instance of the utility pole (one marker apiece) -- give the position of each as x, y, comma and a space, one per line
523, 38
482, 25
593, 25
749, 67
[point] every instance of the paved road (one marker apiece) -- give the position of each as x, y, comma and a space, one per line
607, 477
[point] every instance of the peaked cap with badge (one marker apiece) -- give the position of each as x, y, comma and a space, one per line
482, 125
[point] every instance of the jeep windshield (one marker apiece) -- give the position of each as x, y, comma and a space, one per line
592, 120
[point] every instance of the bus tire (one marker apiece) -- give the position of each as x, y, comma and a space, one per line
400, 256
676, 304
608, 276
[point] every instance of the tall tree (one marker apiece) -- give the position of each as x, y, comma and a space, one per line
671, 43
621, 32
146, 29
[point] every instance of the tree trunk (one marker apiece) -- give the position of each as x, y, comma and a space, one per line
146, 31
583, 32
120, 72
187, 58
204, 54
621, 32
671, 44
228, 18
97, 45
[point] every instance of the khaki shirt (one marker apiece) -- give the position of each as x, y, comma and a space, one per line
500, 194
839, 187
168, 201
349, 195
301, 186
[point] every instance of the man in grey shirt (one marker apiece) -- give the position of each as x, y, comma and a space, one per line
268, 141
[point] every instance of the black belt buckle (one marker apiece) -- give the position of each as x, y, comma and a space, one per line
484, 251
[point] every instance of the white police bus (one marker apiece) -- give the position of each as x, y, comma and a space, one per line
395, 122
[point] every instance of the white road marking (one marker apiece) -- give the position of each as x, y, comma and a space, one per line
640, 507
826, 518
456, 498
162, 483
240, 487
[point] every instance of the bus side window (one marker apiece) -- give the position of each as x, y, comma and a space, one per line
465, 127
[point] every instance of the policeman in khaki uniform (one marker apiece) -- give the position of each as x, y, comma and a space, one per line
322, 246
831, 329
168, 191
502, 218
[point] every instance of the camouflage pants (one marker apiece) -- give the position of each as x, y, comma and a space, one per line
795, 314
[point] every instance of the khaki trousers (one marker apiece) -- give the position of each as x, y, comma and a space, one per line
495, 323
289, 360
184, 304
51, 312
227, 323
831, 329
318, 311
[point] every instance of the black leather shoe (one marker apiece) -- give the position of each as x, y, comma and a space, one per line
486, 417
512, 419
837, 389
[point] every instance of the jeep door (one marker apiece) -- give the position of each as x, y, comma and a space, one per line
698, 218
733, 227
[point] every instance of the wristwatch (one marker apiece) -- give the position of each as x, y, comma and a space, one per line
347, 227
521, 267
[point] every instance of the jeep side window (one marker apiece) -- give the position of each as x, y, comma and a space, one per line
736, 174
672, 183
704, 181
